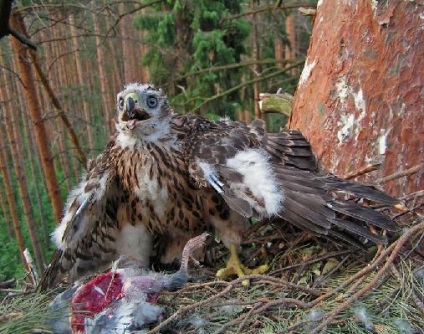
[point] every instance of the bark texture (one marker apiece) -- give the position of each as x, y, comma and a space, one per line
34, 110
360, 97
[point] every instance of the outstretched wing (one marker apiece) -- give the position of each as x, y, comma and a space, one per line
329, 206
288, 147
273, 175
237, 160
86, 235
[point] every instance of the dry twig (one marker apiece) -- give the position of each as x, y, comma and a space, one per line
401, 173
395, 249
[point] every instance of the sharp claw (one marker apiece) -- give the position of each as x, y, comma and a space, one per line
235, 267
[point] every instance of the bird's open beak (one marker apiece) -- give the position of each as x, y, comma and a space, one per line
130, 106
132, 112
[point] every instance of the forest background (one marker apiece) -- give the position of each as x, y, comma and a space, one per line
210, 57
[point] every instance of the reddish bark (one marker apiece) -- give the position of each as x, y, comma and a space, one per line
7, 180
41, 137
16, 149
80, 79
360, 97
290, 49
256, 53
106, 94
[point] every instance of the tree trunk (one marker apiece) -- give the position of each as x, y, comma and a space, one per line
31, 156
114, 58
3, 205
290, 49
36, 117
108, 103
16, 149
7, 180
5, 173
256, 57
359, 99
127, 47
278, 51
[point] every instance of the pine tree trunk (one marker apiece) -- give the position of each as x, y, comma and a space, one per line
104, 88
127, 47
5, 173
37, 119
290, 53
278, 51
116, 75
30, 153
16, 149
9, 192
256, 57
3, 204
360, 98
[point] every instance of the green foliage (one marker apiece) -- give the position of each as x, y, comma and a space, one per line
9, 255
188, 37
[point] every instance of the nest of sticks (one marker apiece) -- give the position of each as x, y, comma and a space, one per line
313, 286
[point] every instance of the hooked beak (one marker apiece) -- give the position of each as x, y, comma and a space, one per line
132, 112
130, 106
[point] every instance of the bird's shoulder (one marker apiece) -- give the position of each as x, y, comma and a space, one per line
105, 160
200, 132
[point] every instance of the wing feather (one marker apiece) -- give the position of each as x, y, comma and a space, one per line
309, 200
87, 233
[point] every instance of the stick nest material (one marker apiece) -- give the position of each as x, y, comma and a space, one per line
314, 286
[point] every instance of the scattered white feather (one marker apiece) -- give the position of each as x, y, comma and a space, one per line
259, 179
196, 321
231, 309
313, 318
125, 315
362, 315
404, 326
315, 315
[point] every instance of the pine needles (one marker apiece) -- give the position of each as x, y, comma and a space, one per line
313, 288
24, 313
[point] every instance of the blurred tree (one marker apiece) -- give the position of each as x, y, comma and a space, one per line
188, 37
36, 117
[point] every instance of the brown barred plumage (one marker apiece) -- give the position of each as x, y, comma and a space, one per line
180, 175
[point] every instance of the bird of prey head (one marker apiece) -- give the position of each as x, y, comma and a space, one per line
142, 110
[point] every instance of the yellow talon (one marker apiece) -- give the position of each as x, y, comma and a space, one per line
235, 267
